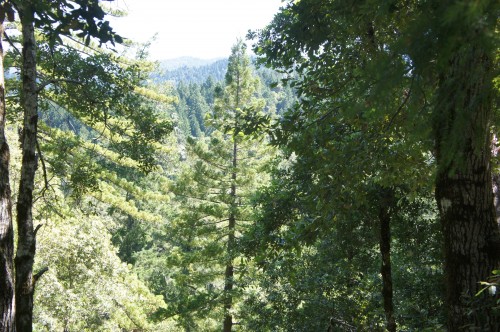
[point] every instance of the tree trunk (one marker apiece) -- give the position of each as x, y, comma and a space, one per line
26, 235
385, 251
228, 299
229, 274
464, 189
496, 196
6, 230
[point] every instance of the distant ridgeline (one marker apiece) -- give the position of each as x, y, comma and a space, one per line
195, 82
191, 70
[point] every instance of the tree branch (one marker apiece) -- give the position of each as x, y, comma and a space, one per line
44, 168
129, 316
42, 85
39, 274
11, 43
37, 228
400, 108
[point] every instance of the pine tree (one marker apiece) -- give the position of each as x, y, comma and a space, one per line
216, 190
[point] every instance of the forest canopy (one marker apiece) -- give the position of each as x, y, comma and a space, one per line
341, 175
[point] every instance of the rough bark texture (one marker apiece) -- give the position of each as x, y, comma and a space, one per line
6, 230
385, 251
496, 196
26, 236
464, 189
229, 274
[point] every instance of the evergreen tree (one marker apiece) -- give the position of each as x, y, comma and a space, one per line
216, 191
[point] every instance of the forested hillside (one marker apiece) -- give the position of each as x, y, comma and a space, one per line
185, 62
343, 179
192, 71
197, 87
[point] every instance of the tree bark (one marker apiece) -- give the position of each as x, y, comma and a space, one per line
464, 188
229, 274
496, 196
26, 247
7, 306
385, 214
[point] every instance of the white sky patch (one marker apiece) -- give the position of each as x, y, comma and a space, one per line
198, 28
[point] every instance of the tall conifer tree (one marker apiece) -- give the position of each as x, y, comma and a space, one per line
217, 190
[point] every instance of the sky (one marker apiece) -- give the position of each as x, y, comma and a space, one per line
199, 28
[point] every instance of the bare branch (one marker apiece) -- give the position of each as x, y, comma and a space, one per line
39, 274
11, 43
44, 168
37, 228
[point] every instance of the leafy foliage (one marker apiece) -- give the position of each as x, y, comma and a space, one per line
87, 287
214, 230
213, 192
376, 111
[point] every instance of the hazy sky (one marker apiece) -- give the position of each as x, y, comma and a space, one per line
199, 28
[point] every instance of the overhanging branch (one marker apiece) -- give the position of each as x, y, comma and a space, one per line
42, 85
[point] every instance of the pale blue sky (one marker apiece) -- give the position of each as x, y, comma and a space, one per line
199, 28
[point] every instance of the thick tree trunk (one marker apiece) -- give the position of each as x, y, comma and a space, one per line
26, 235
464, 189
229, 274
385, 251
6, 230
